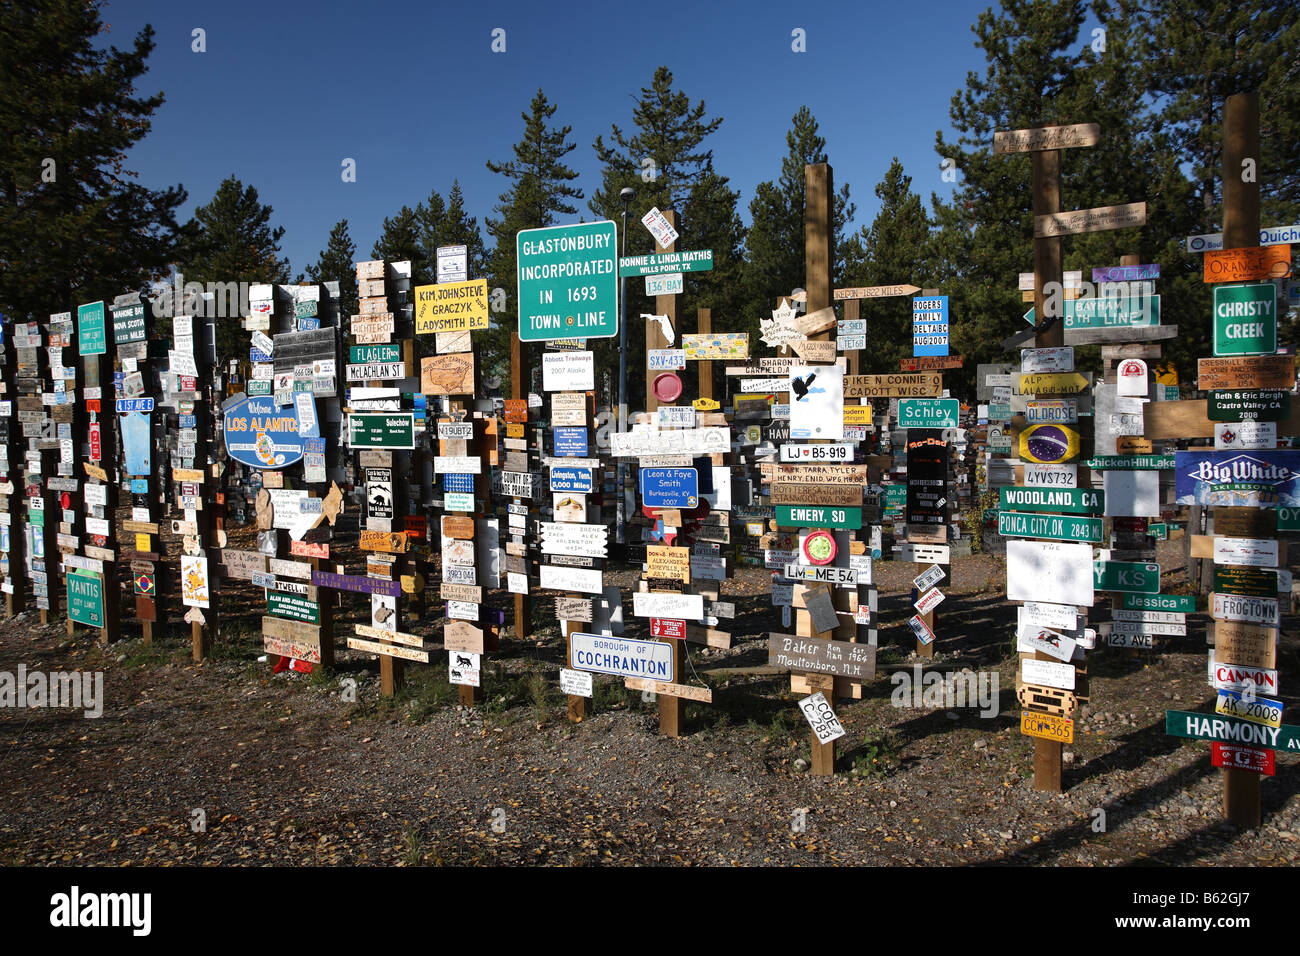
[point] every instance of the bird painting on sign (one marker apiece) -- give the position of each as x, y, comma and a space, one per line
817, 402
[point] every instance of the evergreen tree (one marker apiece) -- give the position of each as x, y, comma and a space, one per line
74, 227
400, 240
234, 241
446, 223
775, 244
539, 192
337, 261
894, 249
669, 166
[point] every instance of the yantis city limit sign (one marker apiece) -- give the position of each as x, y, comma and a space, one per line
568, 282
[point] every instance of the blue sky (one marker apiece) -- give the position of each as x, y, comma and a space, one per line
286, 90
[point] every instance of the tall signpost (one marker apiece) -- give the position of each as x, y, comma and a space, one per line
568, 288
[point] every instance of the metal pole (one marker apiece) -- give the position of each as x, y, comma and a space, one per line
620, 523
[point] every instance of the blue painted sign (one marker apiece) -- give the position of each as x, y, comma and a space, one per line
308, 322
930, 325
260, 435
137, 405
257, 355
136, 443
1264, 478
570, 442
313, 446
575, 480
457, 482
139, 486
670, 487
188, 421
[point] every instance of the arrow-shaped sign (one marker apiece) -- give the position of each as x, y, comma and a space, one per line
195, 616
866, 292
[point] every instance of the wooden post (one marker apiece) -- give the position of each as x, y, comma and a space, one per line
521, 375
577, 704
654, 336
819, 191
704, 325
1241, 788
1046, 165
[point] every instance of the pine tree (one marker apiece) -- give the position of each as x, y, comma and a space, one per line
234, 241
775, 243
400, 240
337, 261
74, 227
539, 192
894, 249
668, 165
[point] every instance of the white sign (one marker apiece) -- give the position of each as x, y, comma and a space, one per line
453, 264
679, 441
928, 601
1038, 568
1230, 435
1132, 494
1248, 552
689, 607
817, 403
581, 539
1051, 476
1031, 639
1238, 607
1061, 617
1131, 378
817, 710
622, 656
676, 416
568, 371
463, 668
1047, 360
1047, 673
666, 283
666, 360
839, 452
826, 574
926, 579
575, 683
660, 227
556, 578
456, 465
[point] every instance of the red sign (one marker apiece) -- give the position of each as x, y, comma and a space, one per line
94, 441
188, 383
416, 527
1237, 757
65, 500
926, 363
668, 627
92, 404
516, 410
1130, 525
305, 549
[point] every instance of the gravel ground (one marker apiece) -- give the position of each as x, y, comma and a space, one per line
286, 769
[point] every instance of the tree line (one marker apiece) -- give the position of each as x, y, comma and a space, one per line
75, 226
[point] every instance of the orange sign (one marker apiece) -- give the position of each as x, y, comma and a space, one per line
1247, 265
516, 410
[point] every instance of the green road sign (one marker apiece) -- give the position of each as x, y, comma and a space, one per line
568, 282
1180, 603
1016, 524
1158, 530
896, 499
258, 387
1288, 519
697, 260
1248, 405
293, 607
818, 516
1131, 462
91, 339
1231, 730
1130, 576
371, 354
1245, 319
1108, 312
928, 412
1072, 500
85, 597
381, 430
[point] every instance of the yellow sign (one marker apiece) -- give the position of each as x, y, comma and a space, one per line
142, 543
1166, 374
514, 431
451, 307
857, 414
705, 405
1047, 726
1052, 383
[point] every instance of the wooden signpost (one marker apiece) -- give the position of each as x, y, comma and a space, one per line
13, 549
